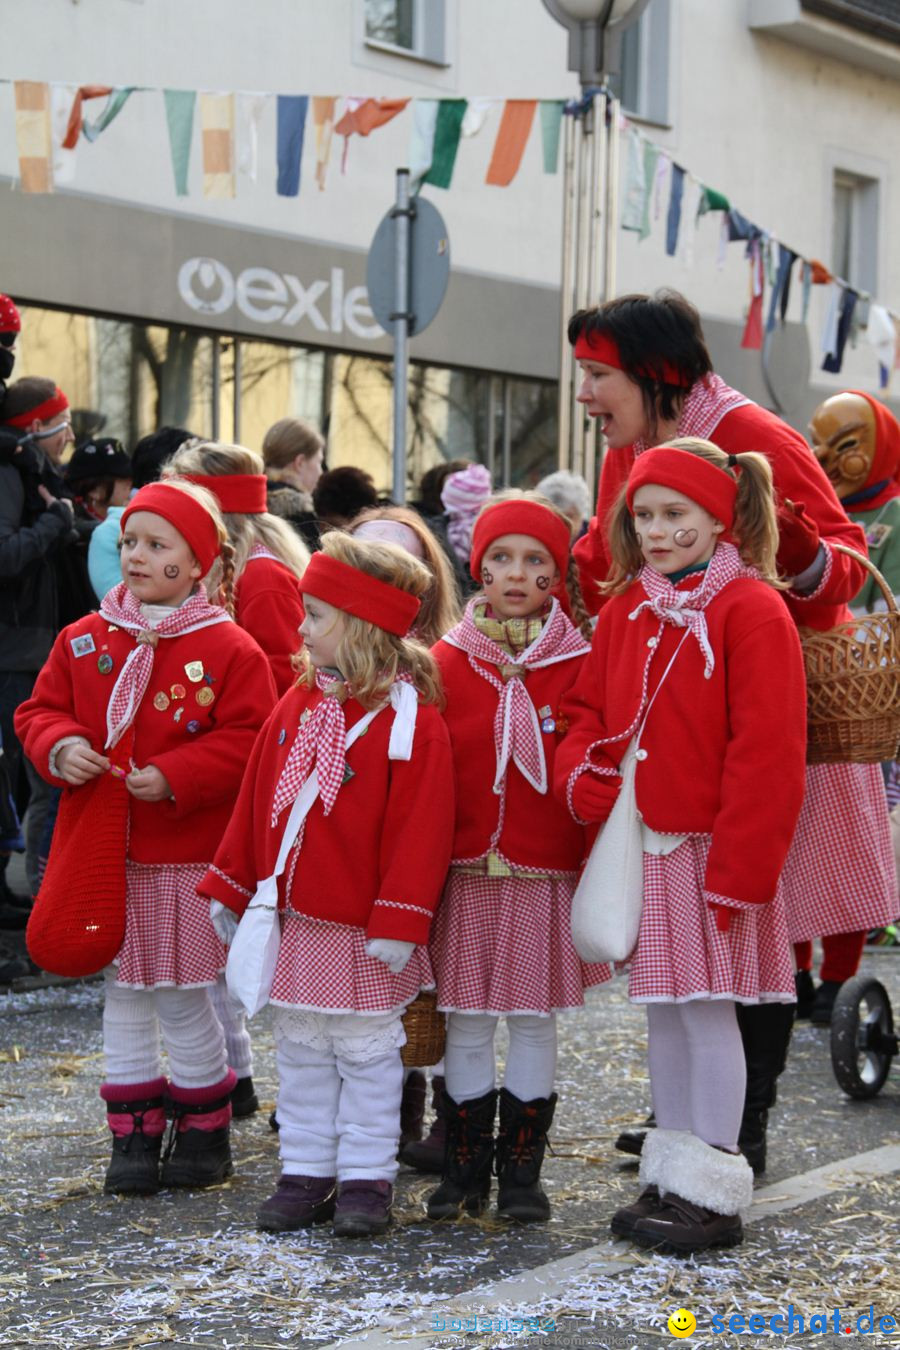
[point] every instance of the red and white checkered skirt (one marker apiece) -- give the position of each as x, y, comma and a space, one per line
680, 953
504, 945
169, 939
323, 967
840, 875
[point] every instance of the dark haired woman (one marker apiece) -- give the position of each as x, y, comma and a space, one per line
647, 377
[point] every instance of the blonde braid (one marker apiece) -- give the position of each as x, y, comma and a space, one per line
228, 576
580, 616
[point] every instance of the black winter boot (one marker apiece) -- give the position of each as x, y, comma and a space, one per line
427, 1155
468, 1158
766, 1033
412, 1108
137, 1119
198, 1152
521, 1142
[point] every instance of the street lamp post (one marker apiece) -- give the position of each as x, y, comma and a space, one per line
590, 194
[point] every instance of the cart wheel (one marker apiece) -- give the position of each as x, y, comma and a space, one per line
862, 1037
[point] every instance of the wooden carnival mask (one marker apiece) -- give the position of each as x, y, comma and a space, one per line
842, 433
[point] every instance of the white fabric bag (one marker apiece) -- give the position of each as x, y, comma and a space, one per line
253, 954
609, 898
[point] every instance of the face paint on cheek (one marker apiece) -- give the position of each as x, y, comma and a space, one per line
684, 538
486, 576
542, 583
171, 571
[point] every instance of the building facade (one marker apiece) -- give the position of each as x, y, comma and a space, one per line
224, 313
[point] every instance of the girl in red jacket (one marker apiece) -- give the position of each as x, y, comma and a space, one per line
164, 689
362, 740
693, 640
502, 944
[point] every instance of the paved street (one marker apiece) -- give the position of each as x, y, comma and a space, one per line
188, 1269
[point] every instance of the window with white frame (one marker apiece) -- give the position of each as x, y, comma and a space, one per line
643, 79
855, 207
414, 28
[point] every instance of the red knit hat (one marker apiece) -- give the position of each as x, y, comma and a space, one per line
886, 460
602, 348
356, 592
10, 319
77, 924
697, 478
190, 518
243, 494
520, 516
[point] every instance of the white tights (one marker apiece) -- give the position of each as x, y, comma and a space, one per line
470, 1069
230, 1013
698, 1075
191, 1033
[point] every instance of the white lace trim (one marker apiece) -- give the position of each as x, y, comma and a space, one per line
356, 1037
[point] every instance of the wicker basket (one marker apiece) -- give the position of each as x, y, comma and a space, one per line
853, 684
425, 1029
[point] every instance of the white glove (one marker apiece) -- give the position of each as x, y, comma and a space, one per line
224, 921
393, 953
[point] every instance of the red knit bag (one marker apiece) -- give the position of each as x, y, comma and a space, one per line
77, 925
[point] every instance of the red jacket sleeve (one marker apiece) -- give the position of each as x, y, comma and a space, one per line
764, 774
583, 707
591, 550
417, 839
49, 715
269, 608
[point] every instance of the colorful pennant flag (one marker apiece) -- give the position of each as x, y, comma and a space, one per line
551, 123
881, 333
33, 136
673, 219
835, 359
753, 329
217, 121
85, 91
512, 137
323, 121
365, 117
634, 186
249, 109
291, 126
451, 116
180, 105
421, 141
64, 161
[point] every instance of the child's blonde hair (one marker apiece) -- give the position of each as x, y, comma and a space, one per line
220, 578
754, 530
212, 458
580, 617
369, 658
440, 604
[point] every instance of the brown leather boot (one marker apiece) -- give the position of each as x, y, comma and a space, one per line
427, 1155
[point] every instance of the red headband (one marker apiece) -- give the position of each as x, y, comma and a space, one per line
703, 482
520, 517
10, 320
601, 347
51, 407
355, 592
190, 518
242, 494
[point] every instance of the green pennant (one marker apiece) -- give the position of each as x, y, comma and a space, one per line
117, 100
180, 117
447, 131
710, 200
551, 120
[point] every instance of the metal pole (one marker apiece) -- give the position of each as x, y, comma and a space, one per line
566, 365
507, 432
400, 318
612, 201
216, 386
236, 394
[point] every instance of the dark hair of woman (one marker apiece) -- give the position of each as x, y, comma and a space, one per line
650, 332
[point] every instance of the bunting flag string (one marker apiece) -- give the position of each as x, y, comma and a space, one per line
50, 120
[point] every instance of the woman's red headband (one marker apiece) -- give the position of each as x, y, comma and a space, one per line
699, 479
51, 407
190, 518
520, 517
242, 494
600, 347
356, 592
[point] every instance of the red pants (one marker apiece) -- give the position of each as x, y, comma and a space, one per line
841, 953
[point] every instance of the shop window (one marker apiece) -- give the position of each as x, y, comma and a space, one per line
414, 28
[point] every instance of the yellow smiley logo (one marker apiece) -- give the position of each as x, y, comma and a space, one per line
682, 1323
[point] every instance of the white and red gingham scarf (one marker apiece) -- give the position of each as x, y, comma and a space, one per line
685, 609
121, 608
707, 402
322, 739
517, 731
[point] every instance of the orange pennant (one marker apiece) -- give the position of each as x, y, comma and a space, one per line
73, 130
820, 274
512, 137
323, 120
372, 113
